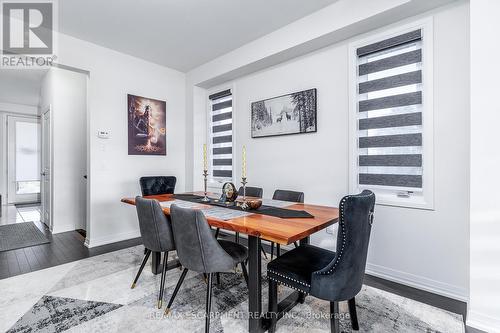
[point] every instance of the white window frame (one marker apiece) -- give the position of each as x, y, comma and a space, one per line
389, 196
216, 183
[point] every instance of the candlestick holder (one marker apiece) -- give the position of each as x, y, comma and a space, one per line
244, 204
244, 183
205, 175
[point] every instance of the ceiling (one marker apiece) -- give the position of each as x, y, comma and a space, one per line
180, 34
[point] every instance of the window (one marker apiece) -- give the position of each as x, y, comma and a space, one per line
392, 118
221, 136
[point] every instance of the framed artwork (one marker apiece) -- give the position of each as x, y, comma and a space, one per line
294, 113
146, 126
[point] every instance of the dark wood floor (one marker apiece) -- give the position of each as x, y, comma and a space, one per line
64, 247
68, 246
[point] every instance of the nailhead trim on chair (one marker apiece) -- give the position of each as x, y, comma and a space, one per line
289, 278
289, 286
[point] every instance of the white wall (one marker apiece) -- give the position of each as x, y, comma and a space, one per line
20, 87
66, 94
423, 248
112, 173
484, 305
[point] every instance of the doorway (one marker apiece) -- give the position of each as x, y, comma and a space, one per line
24, 159
46, 169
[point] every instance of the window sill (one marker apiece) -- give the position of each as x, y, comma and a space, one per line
414, 202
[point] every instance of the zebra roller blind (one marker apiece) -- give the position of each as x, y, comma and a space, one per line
389, 113
221, 134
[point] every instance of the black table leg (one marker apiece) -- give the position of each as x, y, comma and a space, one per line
302, 296
155, 263
157, 267
254, 285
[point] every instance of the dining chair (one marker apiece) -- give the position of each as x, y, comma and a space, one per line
251, 191
157, 236
331, 276
200, 251
155, 185
286, 195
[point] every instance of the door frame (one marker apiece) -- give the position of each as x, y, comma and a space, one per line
50, 222
10, 158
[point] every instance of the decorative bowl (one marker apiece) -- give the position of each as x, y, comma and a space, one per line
252, 204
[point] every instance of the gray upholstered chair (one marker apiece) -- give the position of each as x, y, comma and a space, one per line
200, 251
251, 191
286, 195
155, 185
331, 276
157, 236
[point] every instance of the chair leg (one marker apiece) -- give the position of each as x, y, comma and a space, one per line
218, 279
263, 251
177, 287
272, 250
144, 261
296, 244
245, 273
278, 250
208, 312
163, 276
334, 317
217, 231
237, 237
353, 314
273, 305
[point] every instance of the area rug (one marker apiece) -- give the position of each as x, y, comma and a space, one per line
19, 235
94, 295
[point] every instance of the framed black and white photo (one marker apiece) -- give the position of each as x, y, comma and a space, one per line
294, 113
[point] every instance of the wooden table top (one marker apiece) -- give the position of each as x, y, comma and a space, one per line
279, 230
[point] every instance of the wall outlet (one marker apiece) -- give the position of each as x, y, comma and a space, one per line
329, 230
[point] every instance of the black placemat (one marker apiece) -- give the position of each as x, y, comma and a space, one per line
264, 209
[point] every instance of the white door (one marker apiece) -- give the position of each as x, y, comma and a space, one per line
23, 172
46, 167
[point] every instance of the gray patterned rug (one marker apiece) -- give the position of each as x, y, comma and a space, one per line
94, 295
18, 235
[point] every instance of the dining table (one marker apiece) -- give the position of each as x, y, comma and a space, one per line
257, 227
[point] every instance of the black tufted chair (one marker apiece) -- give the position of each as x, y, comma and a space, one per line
156, 233
286, 195
155, 185
332, 276
200, 251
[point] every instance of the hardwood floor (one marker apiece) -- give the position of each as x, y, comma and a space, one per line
63, 248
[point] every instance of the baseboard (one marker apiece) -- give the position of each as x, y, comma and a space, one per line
418, 282
62, 228
99, 241
483, 322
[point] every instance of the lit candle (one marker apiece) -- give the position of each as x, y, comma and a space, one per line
205, 160
244, 167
